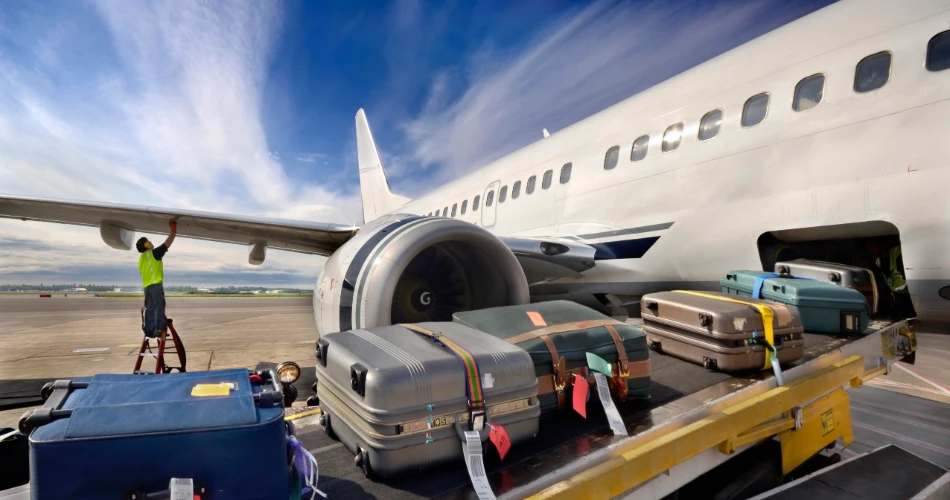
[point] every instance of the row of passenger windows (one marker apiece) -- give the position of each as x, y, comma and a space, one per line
546, 180
871, 73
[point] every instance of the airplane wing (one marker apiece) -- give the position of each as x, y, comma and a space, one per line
118, 223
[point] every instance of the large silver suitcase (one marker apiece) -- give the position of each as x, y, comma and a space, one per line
856, 278
399, 400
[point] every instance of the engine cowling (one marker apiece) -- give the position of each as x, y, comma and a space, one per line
410, 269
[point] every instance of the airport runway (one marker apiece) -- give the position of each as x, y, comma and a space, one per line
39, 340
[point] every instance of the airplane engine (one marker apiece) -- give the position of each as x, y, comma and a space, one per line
411, 269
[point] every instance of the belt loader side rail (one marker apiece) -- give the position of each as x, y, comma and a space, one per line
809, 412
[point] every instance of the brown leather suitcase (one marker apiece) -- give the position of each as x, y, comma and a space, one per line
720, 331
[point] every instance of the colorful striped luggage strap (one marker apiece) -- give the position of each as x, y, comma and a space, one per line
473, 379
767, 318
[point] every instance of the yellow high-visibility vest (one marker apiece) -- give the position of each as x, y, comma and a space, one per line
151, 268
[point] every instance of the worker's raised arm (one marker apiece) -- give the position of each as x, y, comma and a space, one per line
171, 237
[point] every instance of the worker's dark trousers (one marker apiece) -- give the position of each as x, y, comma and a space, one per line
154, 321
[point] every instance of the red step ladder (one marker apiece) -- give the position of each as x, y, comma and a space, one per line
162, 349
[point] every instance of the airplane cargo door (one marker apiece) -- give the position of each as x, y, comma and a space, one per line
490, 204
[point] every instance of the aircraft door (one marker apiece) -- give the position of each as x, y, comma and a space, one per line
490, 204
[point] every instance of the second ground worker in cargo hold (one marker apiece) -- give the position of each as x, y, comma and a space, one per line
153, 273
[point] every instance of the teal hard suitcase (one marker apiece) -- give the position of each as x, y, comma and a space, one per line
824, 307
571, 331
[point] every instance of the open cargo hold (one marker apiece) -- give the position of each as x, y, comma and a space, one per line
112, 434
856, 278
399, 396
824, 308
721, 331
556, 330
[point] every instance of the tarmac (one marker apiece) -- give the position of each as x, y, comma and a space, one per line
79, 335
63, 337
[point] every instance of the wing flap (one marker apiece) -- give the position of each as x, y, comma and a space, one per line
319, 238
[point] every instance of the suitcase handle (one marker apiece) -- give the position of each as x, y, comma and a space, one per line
705, 319
53, 409
274, 396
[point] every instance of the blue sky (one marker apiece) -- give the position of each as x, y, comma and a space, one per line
248, 107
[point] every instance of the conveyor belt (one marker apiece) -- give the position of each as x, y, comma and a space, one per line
677, 386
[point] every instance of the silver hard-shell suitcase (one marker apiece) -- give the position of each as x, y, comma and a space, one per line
399, 400
857, 278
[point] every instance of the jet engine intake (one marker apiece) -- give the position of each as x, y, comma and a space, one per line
411, 269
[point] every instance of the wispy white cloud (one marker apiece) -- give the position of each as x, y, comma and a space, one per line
312, 158
592, 58
170, 116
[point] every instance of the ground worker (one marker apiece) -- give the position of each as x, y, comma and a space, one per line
152, 270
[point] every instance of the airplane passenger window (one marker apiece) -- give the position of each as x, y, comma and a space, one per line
503, 194
464, 206
475, 202
546, 180
490, 198
639, 149
610, 159
938, 52
454, 206
516, 190
565, 173
755, 109
530, 187
445, 212
808, 92
672, 137
872, 72
710, 124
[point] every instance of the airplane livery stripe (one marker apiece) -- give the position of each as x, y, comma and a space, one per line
623, 249
620, 232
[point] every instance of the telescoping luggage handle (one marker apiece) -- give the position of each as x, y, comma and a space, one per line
53, 409
473, 379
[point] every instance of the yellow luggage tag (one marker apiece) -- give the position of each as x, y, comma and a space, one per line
204, 390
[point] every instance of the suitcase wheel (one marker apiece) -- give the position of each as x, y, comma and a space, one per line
314, 387
709, 363
361, 459
656, 346
313, 401
325, 423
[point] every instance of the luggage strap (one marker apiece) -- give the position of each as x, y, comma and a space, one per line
473, 379
561, 375
767, 318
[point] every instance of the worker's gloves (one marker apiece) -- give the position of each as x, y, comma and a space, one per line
173, 226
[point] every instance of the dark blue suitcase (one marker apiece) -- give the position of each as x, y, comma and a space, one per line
111, 435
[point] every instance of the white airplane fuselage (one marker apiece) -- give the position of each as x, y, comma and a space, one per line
855, 159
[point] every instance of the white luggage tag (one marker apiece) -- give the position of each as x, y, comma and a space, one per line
613, 416
476, 466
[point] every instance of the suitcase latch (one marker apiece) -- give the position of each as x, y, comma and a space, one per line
624, 370
477, 420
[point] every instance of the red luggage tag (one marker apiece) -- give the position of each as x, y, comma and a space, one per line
499, 437
581, 388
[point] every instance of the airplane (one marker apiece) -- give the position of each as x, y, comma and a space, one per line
826, 137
